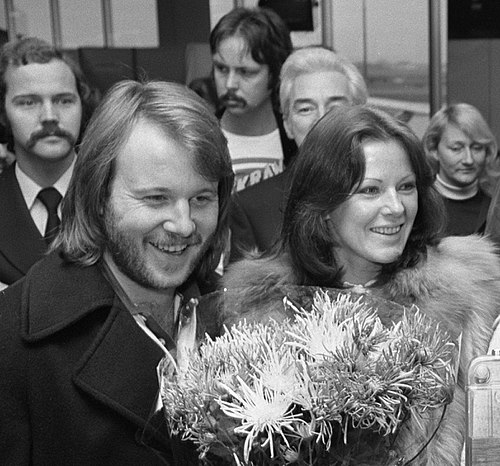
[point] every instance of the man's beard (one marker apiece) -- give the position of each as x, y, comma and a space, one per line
131, 260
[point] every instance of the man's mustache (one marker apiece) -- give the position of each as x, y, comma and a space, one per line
231, 96
50, 129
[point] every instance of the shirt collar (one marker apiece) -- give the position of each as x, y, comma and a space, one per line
30, 188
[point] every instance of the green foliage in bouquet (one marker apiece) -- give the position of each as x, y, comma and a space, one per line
332, 386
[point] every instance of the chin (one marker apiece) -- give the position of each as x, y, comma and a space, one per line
389, 257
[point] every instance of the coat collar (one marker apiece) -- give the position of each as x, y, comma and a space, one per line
57, 294
118, 366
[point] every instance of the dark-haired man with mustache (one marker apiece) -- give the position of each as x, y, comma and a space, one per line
43, 101
248, 48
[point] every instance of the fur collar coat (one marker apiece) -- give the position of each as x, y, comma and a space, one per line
458, 283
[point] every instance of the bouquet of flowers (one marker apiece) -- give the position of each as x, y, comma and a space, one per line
331, 386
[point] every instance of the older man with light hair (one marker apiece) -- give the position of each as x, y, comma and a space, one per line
313, 80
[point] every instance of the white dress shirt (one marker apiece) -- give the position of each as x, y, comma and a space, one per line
30, 191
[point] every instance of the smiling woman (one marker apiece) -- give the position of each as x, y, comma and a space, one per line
362, 214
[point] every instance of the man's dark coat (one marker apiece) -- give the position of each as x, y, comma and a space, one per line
78, 375
21, 244
256, 215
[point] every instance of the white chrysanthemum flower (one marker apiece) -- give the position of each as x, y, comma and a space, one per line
260, 410
319, 335
287, 386
277, 371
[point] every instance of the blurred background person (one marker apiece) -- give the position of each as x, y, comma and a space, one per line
248, 47
362, 214
45, 103
313, 80
463, 152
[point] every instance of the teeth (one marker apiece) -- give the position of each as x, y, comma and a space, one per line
174, 248
387, 230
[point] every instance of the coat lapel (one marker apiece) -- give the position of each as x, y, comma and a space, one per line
118, 367
20, 241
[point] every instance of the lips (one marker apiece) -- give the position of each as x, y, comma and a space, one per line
387, 230
234, 103
176, 249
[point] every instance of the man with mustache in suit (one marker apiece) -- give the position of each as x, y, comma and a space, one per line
44, 104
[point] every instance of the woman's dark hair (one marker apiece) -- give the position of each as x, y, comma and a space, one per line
329, 166
266, 35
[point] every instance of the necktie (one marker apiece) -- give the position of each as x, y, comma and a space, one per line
50, 198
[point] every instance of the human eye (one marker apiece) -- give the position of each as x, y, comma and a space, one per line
335, 103
155, 198
408, 186
65, 99
204, 199
248, 72
25, 101
456, 148
220, 68
369, 190
477, 147
304, 109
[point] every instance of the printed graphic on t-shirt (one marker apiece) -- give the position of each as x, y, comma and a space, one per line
254, 158
250, 176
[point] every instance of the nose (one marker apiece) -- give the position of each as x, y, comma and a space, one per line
322, 110
467, 156
232, 80
392, 204
179, 220
48, 112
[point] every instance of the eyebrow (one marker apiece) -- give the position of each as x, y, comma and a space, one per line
35, 95
409, 175
307, 100
218, 59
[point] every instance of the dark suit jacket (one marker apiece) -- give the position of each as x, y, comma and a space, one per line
78, 374
256, 215
21, 244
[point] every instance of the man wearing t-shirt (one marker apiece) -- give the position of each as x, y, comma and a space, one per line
248, 48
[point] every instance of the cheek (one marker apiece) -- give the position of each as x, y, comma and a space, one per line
206, 220
411, 208
480, 158
301, 126
20, 125
219, 80
258, 88
74, 120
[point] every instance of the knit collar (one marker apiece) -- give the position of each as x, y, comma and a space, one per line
456, 193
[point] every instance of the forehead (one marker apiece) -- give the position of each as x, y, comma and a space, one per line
320, 85
453, 133
53, 77
386, 159
234, 51
150, 156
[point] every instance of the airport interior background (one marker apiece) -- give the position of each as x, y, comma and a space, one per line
389, 40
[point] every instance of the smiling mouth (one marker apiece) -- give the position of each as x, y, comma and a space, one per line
387, 230
175, 249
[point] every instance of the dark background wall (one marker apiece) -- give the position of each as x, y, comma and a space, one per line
183, 21
183, 30
474, 56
